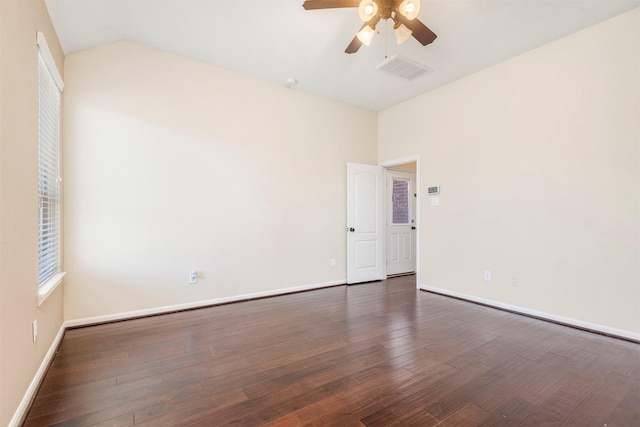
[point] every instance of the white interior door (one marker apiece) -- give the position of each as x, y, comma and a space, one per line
401, 230
365, 223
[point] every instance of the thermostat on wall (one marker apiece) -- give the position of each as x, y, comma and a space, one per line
433, 190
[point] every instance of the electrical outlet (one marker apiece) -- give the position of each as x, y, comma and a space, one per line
193, 277
514, 281
487, 275
34, 330
333, 262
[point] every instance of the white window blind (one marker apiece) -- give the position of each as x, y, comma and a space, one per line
50, 86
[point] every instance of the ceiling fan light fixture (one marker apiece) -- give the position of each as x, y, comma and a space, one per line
401, 32
409, 9
366, 34
367, 10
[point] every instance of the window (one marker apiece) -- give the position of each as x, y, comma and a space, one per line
400, 201
49, 93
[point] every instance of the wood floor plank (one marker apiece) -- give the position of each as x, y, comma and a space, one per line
370, 386
380, 354
512, 380
469, 416
595, 411
631, 398
621, 417
553, 412
414, 394
420, 418
511, 413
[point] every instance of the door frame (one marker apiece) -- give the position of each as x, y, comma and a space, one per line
389, 165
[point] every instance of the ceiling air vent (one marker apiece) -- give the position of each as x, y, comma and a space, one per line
404, 68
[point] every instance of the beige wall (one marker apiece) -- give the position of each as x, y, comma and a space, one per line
539, 166
172, 164
20, 358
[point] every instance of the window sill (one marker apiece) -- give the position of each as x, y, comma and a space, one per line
48, 287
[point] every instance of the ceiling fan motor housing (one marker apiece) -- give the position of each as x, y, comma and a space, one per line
386, 7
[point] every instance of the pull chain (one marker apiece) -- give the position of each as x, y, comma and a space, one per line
386, 38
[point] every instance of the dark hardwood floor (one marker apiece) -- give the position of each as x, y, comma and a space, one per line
373, 354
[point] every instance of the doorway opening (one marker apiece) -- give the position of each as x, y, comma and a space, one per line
371, 205
400, 219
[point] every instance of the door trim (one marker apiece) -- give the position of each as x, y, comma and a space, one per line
389, 164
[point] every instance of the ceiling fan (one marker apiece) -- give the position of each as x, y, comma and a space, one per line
403, 13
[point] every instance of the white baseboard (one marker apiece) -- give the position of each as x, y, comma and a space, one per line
634, 336
30, 394
191, 305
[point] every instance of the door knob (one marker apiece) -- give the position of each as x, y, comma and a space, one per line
413, 228
352, 229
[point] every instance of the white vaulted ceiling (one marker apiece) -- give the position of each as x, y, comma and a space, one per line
277, 39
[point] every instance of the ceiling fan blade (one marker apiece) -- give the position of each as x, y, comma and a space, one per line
418, 30
354, 45
329, 4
